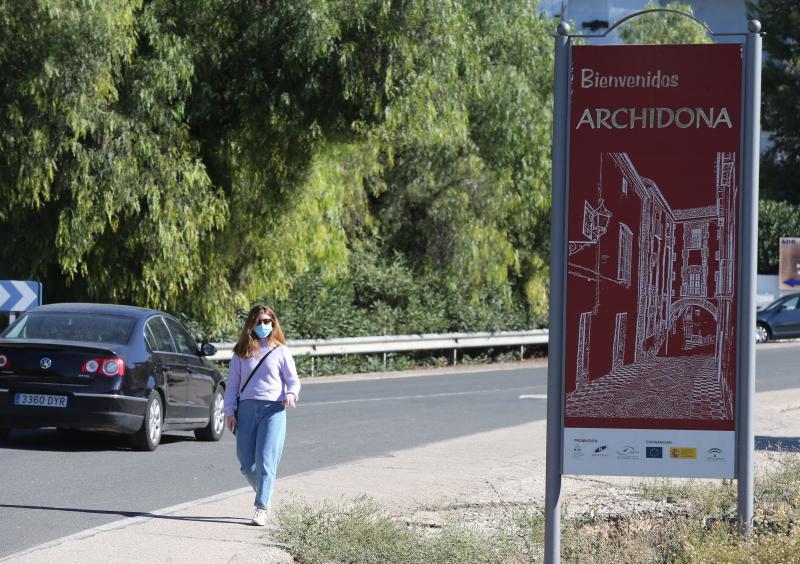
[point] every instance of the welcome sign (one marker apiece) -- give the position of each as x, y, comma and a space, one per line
651, 293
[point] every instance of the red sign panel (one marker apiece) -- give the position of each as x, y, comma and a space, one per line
652, 229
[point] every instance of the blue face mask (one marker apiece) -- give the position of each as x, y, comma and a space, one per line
263, 331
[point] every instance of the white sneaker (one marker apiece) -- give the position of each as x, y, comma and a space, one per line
260, 517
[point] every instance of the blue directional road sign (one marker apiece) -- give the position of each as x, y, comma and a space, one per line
18, 295
792, 282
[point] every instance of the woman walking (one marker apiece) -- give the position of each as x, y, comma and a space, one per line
262, 381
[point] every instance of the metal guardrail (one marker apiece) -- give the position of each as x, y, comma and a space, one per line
401, 343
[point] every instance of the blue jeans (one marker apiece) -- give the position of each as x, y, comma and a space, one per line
261, 430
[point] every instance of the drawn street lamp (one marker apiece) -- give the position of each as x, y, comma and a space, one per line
595, 224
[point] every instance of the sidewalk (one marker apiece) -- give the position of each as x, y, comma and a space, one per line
506, 464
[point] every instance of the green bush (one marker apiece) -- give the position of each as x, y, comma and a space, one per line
361, 363
383, 297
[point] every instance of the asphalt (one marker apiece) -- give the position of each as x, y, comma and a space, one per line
52, 485
499, 465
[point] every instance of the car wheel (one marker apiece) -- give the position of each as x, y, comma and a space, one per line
762, 333
149, 436
4, 434
216, 425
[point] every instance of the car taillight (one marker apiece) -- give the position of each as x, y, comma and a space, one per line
113, 367
4, 362
106, 366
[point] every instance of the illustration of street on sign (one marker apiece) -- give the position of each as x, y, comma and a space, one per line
652, 296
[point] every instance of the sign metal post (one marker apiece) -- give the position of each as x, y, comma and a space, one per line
747, 275
558, 247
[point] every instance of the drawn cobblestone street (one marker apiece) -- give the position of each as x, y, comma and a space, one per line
664, 388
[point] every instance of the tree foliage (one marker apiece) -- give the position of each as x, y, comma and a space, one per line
198, 155
780, 97
104, 195
661, 28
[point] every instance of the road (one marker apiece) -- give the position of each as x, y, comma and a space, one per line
51, 486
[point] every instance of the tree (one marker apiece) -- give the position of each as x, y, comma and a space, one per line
465, 190
780, 97
104, 195
660, 28
197, 155
422, 124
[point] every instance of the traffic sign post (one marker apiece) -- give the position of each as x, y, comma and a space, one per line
17, 296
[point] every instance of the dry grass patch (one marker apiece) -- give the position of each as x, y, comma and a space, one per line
664, 522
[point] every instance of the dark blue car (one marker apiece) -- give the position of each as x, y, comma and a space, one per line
779, 320
114, 368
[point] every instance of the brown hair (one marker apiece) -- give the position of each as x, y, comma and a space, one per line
247, 345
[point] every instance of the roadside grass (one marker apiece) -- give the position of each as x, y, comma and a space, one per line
360, 363
362, 531
670, 491
698, 527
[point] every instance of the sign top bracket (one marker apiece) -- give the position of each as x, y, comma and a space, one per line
753, 26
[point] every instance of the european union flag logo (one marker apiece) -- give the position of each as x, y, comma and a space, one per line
654, 452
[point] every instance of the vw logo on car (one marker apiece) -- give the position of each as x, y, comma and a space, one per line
45, 363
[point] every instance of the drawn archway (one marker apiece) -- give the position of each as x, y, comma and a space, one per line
692, 327
679, 306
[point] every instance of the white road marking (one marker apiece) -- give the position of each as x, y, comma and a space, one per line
419, 396
533, 396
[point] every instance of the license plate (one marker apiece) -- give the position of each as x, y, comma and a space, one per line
40, 400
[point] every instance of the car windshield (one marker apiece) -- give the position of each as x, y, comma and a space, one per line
68, 326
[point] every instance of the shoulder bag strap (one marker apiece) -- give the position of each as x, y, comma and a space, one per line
263, 358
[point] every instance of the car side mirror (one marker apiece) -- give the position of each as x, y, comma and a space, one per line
783, 308
207, 349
